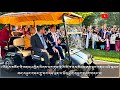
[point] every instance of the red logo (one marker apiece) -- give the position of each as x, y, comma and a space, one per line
105, 15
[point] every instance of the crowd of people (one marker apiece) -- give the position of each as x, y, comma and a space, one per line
104, 37
96, 37
43, 41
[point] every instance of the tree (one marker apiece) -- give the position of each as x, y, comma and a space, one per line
88, 17
84, 14
95, 19
114, 18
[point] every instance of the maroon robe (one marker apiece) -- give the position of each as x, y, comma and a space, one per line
4, 36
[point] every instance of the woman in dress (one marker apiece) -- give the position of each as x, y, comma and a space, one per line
107, 46
117, 43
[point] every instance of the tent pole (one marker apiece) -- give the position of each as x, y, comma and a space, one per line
66, 38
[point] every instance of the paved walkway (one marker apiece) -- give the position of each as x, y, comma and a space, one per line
104, 62
111, 73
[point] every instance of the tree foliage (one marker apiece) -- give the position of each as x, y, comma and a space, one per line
84, 14
88, 17
92, 18
114, 18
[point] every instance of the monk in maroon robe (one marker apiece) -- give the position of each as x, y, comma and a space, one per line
4, 37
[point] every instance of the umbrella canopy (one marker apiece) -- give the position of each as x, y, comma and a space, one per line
39, 18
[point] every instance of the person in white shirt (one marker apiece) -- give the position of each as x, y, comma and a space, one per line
54, 41
94, 39
88, 37
112, 41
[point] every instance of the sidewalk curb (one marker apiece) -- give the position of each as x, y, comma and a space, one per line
107, 61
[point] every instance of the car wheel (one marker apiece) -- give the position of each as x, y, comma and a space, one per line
8, 62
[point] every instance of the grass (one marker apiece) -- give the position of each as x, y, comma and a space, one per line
111, 56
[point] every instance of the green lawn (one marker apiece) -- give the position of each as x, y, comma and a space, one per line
111, 56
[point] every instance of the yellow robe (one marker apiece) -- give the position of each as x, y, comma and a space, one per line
27, 42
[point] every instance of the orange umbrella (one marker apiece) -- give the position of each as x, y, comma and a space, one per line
27, 18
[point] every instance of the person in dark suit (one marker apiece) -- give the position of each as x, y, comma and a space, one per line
53, 39
102, 32
39, 45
